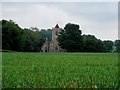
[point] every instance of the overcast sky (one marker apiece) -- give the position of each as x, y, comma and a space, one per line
96, 18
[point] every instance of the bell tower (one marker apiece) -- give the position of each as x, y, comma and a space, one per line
55, 32
54, 47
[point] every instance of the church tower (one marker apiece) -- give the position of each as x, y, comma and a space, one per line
54, 47
55, 32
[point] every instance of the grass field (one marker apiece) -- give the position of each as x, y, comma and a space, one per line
64, 70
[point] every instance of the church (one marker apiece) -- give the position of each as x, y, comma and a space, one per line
52, 46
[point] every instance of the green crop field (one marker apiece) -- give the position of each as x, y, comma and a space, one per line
59, 70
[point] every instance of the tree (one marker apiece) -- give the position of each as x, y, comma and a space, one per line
34, 29
108, 45
92, 44
31, 40
46, 34
43, 34
18, 39
0, 35
11, 34
70, 38
49, 34
117, 44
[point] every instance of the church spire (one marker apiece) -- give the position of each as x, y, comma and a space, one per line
57, 26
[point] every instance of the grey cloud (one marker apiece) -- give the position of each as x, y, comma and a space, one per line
94, 18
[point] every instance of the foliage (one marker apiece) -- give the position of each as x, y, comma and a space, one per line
11, 34
46, 34
0, 35
92, 44
18, 39
70, 38
108, 45
117, 44
60, 70
31, 40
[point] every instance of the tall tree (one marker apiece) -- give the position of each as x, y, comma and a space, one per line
11, 34
70, 38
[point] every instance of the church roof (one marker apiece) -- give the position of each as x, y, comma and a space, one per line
57, 26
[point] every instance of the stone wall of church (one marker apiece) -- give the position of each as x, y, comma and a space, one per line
54, 47
45, 47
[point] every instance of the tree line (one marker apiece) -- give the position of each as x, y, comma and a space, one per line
70, 38
17, 39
